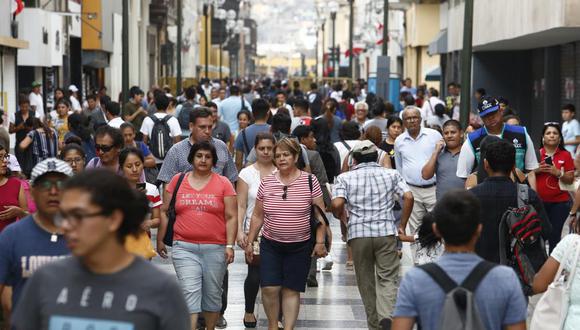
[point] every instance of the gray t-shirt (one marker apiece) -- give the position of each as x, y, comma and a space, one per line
221, 131
66, 295
446, 172
499, 296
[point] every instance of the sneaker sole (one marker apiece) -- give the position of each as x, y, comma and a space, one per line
328, 266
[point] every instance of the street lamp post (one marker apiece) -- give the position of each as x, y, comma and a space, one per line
466, 54
323, 49
350, 33
178, 59
206, 9
333, 9
386, 29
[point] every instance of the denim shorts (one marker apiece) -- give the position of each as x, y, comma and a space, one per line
284, 264
200, 271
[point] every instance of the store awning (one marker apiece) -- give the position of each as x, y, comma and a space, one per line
95, 59
433, 75
10, 42
439, 44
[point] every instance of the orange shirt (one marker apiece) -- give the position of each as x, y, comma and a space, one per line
201, 213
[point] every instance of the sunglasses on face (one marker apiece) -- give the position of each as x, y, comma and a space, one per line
103, 147
47, 185
285, 194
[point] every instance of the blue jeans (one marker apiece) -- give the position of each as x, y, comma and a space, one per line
200, 271
557, 213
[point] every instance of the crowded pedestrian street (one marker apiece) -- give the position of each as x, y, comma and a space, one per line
296, 164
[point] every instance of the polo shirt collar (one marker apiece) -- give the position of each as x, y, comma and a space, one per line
421, 132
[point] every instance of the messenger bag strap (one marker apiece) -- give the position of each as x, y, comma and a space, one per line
174, 195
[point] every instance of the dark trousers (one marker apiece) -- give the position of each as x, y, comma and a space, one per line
251, 288
557, 213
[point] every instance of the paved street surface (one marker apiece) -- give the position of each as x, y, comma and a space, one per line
335, 304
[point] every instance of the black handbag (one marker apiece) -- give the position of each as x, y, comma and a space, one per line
314, 222
171, 214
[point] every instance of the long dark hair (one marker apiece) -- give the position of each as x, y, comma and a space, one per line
427, 238
37, 123
557, 127
79, 125
329, 113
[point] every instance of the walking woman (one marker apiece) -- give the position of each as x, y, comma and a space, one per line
556, 165
282, 211
203, 234
131, 161
74, 155
334, 122
394, 129
247, 187
12, 197
44, 141
20, 125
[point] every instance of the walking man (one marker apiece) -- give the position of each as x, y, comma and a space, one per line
368, 192
413, 149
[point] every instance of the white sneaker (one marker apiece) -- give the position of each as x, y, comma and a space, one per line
327, 263
319, 264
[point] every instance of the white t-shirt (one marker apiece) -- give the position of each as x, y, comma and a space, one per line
36, 101
251, 177
116, 122
153, 195
174, 128
467, 157
570, 130
343, 151
75, 104
173, 123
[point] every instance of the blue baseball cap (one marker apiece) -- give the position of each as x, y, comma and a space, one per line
487, 105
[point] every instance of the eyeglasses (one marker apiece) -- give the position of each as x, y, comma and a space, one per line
47, 185
74, 219
5, 158
553, 123
104, 147
75, 160
413, 118
285, 194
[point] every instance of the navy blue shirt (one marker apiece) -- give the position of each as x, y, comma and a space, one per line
24, 247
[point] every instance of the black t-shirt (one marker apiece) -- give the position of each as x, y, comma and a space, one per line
66, 295
390, 150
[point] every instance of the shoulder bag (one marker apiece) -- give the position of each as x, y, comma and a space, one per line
171, 214
314, 222
552, 308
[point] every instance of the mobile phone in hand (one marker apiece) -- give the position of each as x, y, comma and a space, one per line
548, 160
140, 186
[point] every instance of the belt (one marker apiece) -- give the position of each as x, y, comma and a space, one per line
423, 186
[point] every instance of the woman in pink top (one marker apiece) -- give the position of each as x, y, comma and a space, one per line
12, 197
203, 234
282, 210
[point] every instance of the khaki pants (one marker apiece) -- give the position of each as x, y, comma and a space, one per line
376, 266
424, 202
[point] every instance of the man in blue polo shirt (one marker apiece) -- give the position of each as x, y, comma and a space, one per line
34, 241
492, 116
498, 295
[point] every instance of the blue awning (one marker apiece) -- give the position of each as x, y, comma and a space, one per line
439, 44
433, 75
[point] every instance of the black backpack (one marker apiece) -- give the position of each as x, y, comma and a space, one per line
459, 309
315, 101
160, 140
183, 118
521, 245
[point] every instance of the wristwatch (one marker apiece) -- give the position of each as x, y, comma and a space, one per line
230, 246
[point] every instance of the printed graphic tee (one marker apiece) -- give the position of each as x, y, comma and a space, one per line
66, 295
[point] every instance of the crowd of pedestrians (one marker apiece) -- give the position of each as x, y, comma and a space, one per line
266, 168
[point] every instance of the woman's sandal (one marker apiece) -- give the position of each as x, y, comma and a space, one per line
250, 325
349, 265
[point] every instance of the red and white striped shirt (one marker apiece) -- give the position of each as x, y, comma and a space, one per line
287, 220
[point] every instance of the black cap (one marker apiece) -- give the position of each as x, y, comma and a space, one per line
487, 105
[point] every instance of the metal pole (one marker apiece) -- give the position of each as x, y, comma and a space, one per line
206, 41
323, 49
334, 54
316, 52
386, 29
125, 53
350, 33
178, 59
466, 54
221, 53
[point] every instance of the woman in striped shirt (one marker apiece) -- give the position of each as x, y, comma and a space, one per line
282, 207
